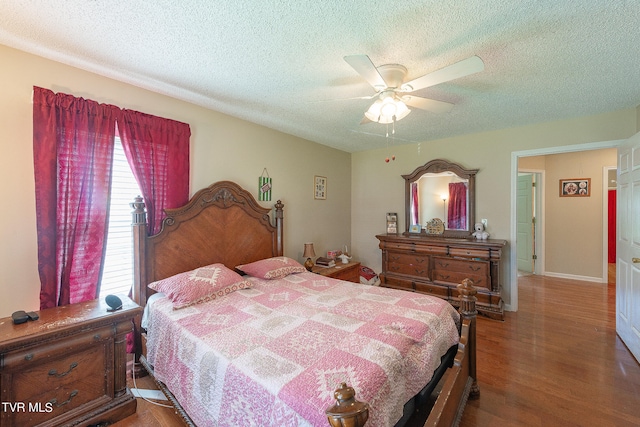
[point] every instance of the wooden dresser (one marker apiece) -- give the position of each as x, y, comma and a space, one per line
436, 265
349, 272
67, 368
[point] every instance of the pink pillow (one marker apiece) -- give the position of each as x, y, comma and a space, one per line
200, 285
272, 268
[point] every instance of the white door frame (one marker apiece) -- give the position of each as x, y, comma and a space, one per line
513, 260
605, 218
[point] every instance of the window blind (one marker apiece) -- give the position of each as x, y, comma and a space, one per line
117, 273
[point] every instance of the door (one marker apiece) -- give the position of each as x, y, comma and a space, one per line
524, 223
628, 247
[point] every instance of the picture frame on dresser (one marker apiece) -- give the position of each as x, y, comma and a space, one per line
415, 229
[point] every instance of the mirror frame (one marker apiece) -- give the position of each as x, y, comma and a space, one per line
437, 166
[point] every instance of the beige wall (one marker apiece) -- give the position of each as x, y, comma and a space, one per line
573, 226
222, 148
377, 187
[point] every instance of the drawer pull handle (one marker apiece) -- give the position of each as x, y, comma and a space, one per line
28, 357
443, 277
54, 372
96, 337
54, 401
472, 268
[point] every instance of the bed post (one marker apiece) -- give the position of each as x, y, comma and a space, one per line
139, 229
348, 411
468, 312
279, 207
139, 288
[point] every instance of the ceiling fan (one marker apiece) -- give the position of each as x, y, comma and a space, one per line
393, 93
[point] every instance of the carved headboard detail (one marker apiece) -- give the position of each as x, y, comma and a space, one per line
221, 223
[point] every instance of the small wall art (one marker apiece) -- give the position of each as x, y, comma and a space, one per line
264, 186
575, 187
320, 187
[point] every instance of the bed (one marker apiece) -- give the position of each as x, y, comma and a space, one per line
229, 369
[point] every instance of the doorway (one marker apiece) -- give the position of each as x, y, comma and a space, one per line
541, 253
530, 221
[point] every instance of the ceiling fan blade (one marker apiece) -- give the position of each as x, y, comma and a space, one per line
365, 121
427, 104
344, 99
395, 138
363, 65
455, 71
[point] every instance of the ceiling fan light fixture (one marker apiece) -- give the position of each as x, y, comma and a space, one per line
402, 110
387, 110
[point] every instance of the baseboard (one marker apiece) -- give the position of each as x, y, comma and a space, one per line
576, 277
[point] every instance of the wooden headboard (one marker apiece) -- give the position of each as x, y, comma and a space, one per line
221, 223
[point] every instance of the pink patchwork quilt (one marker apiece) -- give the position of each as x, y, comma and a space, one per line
273, 354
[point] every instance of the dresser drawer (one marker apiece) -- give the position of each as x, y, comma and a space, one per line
27, 357
470, 252
433, 289
469, 267
60, 386
411, 264
397, 283
454, 277
397, 246
432, 250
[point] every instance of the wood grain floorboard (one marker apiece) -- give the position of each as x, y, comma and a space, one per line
556, 362
148, 414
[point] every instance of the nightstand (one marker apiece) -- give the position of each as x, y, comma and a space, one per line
349, 272
67, 368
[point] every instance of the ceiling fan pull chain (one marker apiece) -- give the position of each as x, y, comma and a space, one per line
393, 131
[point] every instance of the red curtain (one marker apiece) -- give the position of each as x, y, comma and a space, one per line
612, 226
158, 151
73, 142
73, 150
457, 212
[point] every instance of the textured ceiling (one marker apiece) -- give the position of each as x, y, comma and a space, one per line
280, 63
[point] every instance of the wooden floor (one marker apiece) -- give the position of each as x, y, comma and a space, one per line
148, 414
556, 362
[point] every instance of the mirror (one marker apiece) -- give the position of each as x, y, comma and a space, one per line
445, 190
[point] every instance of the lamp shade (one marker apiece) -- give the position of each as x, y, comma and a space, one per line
308, 251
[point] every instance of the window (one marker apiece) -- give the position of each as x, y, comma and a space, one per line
117, 273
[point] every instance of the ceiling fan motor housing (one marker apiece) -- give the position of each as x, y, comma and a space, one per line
393, 75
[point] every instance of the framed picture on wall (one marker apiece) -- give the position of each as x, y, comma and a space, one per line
320, 187
575, 187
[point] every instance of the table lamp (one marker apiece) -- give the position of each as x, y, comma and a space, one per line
308, 254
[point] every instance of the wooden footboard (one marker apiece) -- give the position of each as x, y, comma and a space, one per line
458, 383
